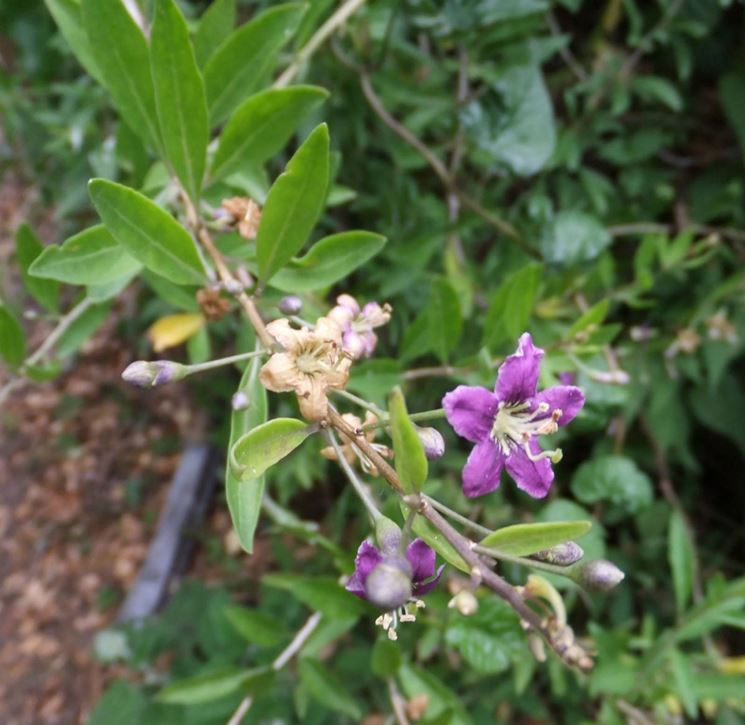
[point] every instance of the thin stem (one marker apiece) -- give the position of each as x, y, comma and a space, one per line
521, 561
318, 38
282, 659
397, 703
455, 516
210, 364
424, 415
352, 398
359, 487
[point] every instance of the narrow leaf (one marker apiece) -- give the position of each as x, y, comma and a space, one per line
262, 125
244, 498
294, 204
255, 626
411, 462
328, 261
173, 330
80, 330
180, 96
431, 536
240, 65
445, 320
525, 539
91, 257
147, 232
68, 16
267, 444
680, 556
214, 27
214, 685
121, 55
326, 688
510, 307
12, 338
28, 249
321, 593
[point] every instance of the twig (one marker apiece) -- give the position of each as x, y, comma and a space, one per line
397, 702
621, 230
442, 508
425, 415
352, 398
282, 659
337, 19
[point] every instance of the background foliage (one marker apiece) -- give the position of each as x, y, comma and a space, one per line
571, 168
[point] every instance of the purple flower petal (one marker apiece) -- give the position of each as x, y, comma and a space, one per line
422, 560
470, 411
518, 374
368, 557
566, 398
482, 469
421, 588
533, 477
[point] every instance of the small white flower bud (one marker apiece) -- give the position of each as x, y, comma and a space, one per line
146, 374
240, 401
561, 554
290, 305
600, 575
433, 442
465, 602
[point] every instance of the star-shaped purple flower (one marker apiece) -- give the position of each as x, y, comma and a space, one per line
417, 566
505, 424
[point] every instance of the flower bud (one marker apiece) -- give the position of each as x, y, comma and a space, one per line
465, 602
240, 401
146, 374
561, 554
388, 535
290, 305
433, 442
599, 576
389, 584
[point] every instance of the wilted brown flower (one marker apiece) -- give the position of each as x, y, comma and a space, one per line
245, 215
213, 306
351, 452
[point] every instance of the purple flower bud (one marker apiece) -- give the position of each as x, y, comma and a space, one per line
290, 305
240, 401
433, 442
388, 535
599, 576
561, 554
146, 374
389, 584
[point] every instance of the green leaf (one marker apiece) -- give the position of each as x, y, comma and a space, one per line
12, 338
680, 555
244, 498
68, 16
149, 233
266, 445
328, 261
684, 678
255, 626
240, 65
214, 27
574, 237
321, 593
445, 320
28, 250
443, 705
262, 125
214, 685
411, 462
180, 97
81, 329
591, 318
615, 479
182, 298
294, 204
92, 256
121, 55
732, 95
326, 688
525, 539
431, 536
386, 658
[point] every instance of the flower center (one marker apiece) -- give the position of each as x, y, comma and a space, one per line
315, 358
390, 620
515, 425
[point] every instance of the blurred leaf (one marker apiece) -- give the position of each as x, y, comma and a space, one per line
266, 445
241, 64
294, 204
732, 96
121, 55
262, 125
680, 555
214, 685
321, 593
615, 479
589, 319
150, 234
179, 96
28, 249
511, 306
445, 318
657, 88
326, 688
69, 18
81, 329
173, 330
525, 539
244, 498
90, 257
12, 338
386, 658
122, 704
443, 705
215, 25
411, 462
574, 237
182, 298
684, 677
256, 627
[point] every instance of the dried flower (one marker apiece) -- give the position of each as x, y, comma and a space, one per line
146, 374
212, 305
311, 364
720, 328
245, 214
506, 424
357, 324
352, 452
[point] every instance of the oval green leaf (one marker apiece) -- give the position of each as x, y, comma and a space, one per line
91, 257
431, 536
262, 125
445, 319
240, 65
214, 27
28, 250
266, 445
12, 338
411, 462
149, 233
214, 685
180, 97
328, 261
526, 539
293, 204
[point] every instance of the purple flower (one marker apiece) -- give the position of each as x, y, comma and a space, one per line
506, 424
416, 568
357, 324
